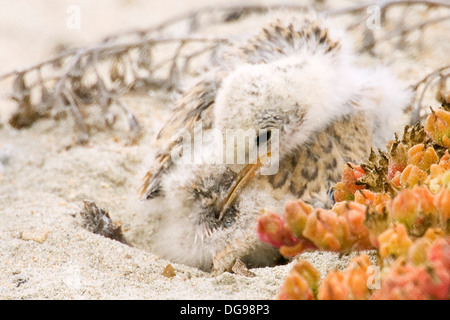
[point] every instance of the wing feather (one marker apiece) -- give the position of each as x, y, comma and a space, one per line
279, 39
192, 107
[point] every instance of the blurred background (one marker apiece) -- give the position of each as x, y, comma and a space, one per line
31, 30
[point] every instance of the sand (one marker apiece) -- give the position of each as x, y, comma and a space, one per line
44, 175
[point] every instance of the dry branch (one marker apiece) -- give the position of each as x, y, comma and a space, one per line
71, 89
438, 76
383, 5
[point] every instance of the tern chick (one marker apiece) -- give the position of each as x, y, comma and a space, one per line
303, 107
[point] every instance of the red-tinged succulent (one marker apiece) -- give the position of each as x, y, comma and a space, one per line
300, 246
434, 280
437, 127
440, 251
353, 232
301, 282
346, 189
397, 203
403, 280
414, 208
428, 280
399, 284
273, 230
398, 160
295, 215
442, 204
394, 242
438, 285
339, 229
322, 228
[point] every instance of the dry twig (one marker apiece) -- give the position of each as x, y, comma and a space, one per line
438, 77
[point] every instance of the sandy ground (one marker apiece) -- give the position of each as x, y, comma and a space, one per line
44, 176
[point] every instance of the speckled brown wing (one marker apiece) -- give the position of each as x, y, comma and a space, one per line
196, 105
285, 38
313, 169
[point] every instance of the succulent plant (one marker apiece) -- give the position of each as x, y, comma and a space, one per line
429, 279
394, 242
437, 127
397, 203
301, 282
350, 284
273, 229
415, 209
422, 273
346, 189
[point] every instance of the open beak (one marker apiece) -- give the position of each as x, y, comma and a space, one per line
240, 182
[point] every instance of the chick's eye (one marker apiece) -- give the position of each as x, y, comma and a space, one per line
263, 138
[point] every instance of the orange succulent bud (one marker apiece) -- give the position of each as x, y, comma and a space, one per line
300, 283
394, 242
418, 156
307, 271
373, 199
411, 176
295, 214
437, 127
442, 203
444, 162
346, 189
353, 231
342, 228
294, 250
396, 179
322, 228
356, 277
295, 287
414, 206
404, 207
333, 287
